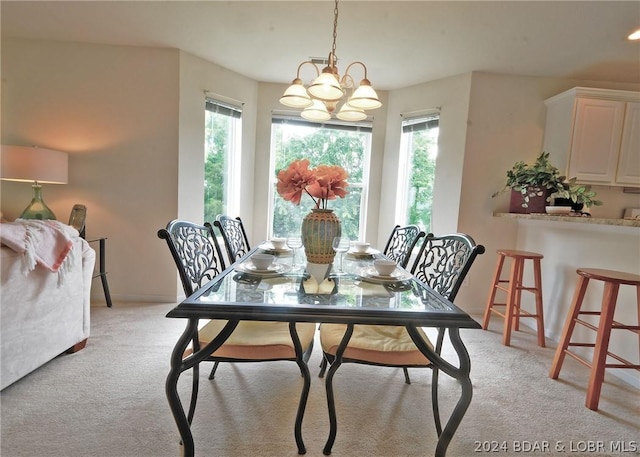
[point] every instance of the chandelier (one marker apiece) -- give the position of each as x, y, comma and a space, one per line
321, 98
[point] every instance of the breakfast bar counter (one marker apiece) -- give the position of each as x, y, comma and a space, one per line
572, 219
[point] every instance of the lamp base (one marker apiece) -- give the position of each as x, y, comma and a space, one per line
37, 209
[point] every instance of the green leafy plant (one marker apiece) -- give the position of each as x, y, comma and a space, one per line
577, 193
534, 180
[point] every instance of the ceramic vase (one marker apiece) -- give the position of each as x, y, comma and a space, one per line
319, 228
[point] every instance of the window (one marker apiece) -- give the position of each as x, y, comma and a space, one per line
418, 151
223, 125
323, 144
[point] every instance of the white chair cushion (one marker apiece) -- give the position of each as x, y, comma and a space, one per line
257, 340
384, 344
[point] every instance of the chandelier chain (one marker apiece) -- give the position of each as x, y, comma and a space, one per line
333, 58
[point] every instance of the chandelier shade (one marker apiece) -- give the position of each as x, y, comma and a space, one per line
320, 100
296, 96
316, 112
364, 97
350, 113
326, 87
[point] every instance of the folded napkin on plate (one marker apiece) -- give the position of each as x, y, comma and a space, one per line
311, 286
370, 289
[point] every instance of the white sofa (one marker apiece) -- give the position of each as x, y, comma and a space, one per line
40, 316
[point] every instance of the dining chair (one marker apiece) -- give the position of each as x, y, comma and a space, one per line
442, 263
198, 258
401, 243
399, 248
234, 236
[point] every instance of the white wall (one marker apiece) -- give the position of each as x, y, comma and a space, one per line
132, 121
114, 109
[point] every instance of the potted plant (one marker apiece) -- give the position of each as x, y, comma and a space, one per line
532, 185
575, 195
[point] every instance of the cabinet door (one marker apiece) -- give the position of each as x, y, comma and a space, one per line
629, 162
596, 140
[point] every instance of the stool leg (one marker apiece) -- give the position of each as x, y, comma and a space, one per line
492, 292
538, 292
638, 304
569, 324
518, 296
602, 345
511, 300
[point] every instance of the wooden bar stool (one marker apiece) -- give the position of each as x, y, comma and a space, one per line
513, 312
612, 281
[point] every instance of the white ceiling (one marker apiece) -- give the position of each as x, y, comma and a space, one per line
401, 42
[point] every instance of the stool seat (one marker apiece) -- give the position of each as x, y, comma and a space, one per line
522, 254
514, 288
619, 277
612, 281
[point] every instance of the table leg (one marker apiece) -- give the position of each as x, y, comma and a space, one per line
461, 374
179, 365
304, 369
333, 423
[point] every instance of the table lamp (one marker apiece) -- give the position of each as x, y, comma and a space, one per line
37, 165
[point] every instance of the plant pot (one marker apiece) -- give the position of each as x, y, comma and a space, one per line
319, 228
536, 204
577, 207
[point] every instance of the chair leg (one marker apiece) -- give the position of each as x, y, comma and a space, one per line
407, 380
323, 366
569, 325
538, 292
213, 370
602, 345
492, 293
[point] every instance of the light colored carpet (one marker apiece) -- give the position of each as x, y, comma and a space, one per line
108, 401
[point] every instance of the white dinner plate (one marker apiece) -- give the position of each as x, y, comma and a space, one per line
397, 275
353, 254
275, 269
269, 247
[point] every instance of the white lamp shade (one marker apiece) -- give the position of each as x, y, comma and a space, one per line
24, 163
364, 97
326, 87
349, 113
296, 96
317, 112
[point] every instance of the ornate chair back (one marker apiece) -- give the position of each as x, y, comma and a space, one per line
443, 262
195, 251
234, 236
401, 243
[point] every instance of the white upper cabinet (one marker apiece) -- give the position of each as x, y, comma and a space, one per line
629, 163
596, 133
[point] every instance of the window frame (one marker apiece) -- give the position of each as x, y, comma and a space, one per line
233, 155
418, 121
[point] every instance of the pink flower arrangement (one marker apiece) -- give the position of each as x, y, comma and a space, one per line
323, 183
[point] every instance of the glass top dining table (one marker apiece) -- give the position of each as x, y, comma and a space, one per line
294, 291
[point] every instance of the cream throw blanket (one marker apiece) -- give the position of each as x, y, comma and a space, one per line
47, 243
